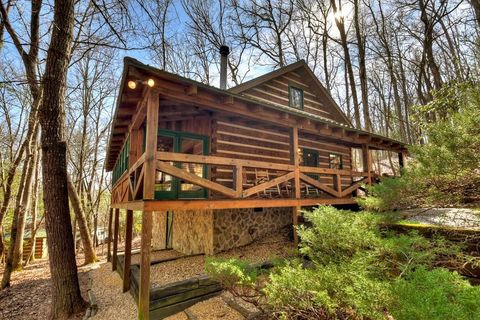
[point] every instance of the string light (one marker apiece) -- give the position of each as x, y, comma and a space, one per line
150, 83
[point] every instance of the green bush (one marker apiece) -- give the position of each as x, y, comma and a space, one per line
343, 290
336, 235
437, 294
351, 270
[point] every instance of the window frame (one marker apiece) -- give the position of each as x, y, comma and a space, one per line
330, 160
290, 97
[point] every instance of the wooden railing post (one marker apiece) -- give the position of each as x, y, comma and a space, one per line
116, 226
153, 106
294, 159
238, 180
337, 184
128, 251
109, 239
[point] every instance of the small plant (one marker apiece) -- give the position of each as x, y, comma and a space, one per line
240, 278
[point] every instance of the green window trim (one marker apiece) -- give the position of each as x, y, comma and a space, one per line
291, 102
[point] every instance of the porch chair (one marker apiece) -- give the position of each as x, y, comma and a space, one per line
262, 176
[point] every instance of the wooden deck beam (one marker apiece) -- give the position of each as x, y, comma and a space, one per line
115, 239
239, 204
109, 243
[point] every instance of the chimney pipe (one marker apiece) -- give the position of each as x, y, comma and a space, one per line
224, 51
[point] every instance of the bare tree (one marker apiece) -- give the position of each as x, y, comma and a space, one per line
66, 297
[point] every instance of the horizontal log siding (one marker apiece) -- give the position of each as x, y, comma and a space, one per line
241, 140
275, 91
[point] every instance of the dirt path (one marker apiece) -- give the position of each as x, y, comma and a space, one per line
448, 217
29, 297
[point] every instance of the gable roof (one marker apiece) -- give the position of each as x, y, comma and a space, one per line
301, 64
126, 103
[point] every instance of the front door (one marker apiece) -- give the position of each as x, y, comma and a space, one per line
310, 159
168, 187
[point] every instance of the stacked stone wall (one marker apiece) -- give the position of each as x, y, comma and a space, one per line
239, 227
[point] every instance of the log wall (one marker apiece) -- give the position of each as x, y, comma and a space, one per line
275, 92
246, 140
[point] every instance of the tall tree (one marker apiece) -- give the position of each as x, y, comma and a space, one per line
66, 297
361, 43
340, 22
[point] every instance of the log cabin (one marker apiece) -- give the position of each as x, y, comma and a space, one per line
215, 168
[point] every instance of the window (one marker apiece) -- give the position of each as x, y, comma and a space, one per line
335, 161
295, 97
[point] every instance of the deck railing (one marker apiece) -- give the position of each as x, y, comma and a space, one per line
130, 185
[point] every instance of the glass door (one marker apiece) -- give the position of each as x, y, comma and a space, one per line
195, 145
168, 187
310, 159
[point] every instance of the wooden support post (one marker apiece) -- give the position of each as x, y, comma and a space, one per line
295, 160
144, 290
128, 251
151, 146
109, 241
367, 162
148, 193
295, 214
401, 161
115, 239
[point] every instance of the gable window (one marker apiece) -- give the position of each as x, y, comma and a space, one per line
336, 161
295, 97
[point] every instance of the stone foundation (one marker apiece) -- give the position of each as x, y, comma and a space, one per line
159, 230
212, 231
238, 227
193, 231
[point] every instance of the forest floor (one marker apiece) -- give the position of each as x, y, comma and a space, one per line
28, 296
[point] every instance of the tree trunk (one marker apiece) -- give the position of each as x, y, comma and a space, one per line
13, 232
88, 248
66, 297
476, 8
33, 228
362, 67
26, 202
348, 62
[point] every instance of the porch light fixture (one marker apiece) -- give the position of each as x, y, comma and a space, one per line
132, 84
